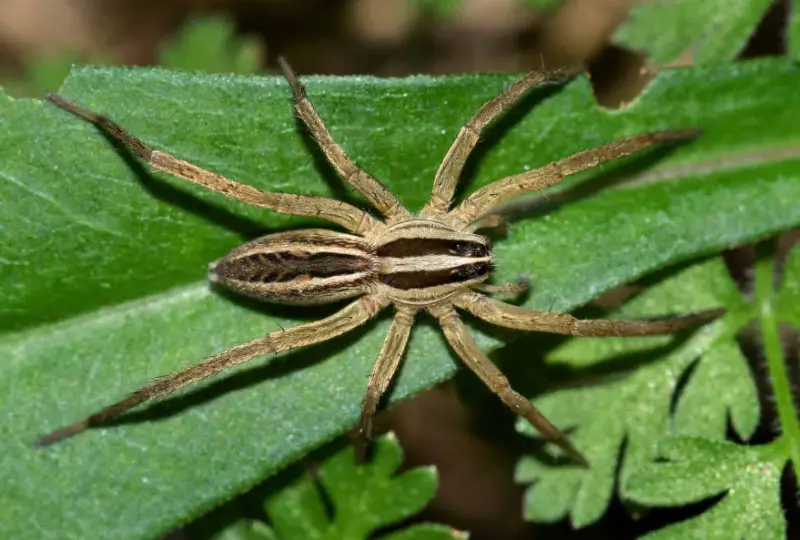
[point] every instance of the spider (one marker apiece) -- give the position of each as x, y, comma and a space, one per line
431, 261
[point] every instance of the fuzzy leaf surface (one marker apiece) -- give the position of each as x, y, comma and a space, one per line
746, 478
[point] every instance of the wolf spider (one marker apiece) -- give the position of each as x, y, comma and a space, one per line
432, 261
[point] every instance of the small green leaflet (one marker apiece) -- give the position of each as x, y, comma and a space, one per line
363, 499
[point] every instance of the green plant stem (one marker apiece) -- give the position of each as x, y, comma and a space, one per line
781, 387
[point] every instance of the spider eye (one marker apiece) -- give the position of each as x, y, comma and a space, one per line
471, 271
471, 249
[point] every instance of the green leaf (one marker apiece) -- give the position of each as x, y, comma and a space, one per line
746, 478
712, 31
362, 499
698, 413
103, 265
211, 45
634, 406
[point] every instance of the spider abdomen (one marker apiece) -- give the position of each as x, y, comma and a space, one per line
312, 266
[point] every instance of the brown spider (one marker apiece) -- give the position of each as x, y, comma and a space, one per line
430, 261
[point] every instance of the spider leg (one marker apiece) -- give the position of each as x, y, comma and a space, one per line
449, 172
488, 221
513, 186
502, 314
521, 286
348, 216
382, 373
376, 193
460, 339
344, 320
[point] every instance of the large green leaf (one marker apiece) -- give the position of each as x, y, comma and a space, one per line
103, 266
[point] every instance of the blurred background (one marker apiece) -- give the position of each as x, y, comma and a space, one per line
40, 39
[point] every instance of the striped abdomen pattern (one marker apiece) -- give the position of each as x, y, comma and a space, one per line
319, 266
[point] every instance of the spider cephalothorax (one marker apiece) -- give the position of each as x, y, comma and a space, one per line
432, 261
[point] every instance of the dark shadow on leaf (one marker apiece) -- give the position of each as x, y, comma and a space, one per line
285, 311
680, 385
164, 192
250, 505
540, 450
659, 275
313, 313
245, 378
534, 376
749, 341
789, 485
548, 378
658, 518
616, 523
246, 228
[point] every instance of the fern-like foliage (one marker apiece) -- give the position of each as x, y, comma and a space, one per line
346, 501
686, 386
